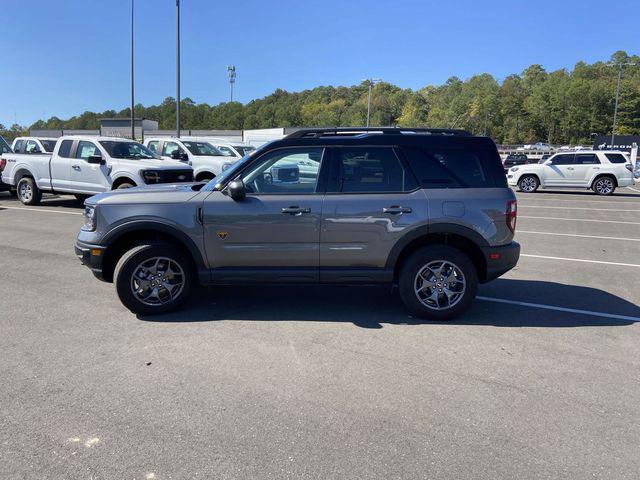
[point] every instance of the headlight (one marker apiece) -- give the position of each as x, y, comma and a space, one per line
226, 165
150, 176
89, 218
514, 169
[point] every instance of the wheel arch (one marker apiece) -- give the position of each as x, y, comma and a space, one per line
119, 180
600, 175
121, 239
463, 238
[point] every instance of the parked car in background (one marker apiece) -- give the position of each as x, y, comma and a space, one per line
4, 148
544, 158
427, 210
207, 161
514, 159
229, 149
86, 165
601, 171
33, 145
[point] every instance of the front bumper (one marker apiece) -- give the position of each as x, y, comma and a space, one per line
500, 260
91, 256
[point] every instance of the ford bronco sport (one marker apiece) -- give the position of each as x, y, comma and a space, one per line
428, 210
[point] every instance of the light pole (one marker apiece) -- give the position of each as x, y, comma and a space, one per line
133, 127
178, 68
231, 72
615, 109
371, 82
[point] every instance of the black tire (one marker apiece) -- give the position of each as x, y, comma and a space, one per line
604, 185
28, 191
408, 281
528, 183
125, 185
130, 263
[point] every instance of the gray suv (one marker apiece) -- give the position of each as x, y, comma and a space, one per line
427, 210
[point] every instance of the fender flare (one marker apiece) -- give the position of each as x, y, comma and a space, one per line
424, 230
120, 230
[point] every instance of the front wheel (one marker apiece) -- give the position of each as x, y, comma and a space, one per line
528, 183
604, 186
438, 282
28, 191
154, 278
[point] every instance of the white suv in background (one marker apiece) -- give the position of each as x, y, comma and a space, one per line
207, 161
600, 170
228, 148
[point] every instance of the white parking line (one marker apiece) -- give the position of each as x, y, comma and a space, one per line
580, 260
581, 200
560, 309
39, 210
635, 210
579, 220
581, 236
634, 189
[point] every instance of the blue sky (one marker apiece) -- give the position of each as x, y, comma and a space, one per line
64, 57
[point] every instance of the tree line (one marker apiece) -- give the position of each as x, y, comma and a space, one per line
562, 106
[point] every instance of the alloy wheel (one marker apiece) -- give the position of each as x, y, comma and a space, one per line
157, 281
604, 186
25, 191
528, 184
439, 285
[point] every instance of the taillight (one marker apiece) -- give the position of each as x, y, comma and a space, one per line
512, 213
3, 163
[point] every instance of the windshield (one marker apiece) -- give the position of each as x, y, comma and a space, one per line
4, 146
48, 145
130, 150
244, 150
202, 148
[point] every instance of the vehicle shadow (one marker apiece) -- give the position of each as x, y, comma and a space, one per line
48, 200
587, 193
372, 307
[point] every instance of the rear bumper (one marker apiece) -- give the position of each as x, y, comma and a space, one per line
91, 256
500, 260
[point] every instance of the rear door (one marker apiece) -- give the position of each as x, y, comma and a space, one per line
88, 177
584, 167
372, 197
559, 172
61, 166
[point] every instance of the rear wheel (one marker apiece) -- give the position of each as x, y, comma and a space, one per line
604, 186
154, 278
528, 183
28, 191
438, 282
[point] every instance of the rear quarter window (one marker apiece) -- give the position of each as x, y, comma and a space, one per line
616, 158
451, 167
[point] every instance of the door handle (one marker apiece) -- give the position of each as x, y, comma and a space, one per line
76, 167
396, 209
295, 210
570, 168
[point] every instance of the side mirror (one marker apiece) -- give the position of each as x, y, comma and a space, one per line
176, 155
96, 160
237, 190
184, 157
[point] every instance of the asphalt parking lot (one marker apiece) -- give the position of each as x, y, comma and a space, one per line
539, 380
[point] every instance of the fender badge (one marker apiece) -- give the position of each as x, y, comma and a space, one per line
222, 235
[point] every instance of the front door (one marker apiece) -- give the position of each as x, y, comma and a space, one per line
371, 200
560, 170
88, 177
272, 235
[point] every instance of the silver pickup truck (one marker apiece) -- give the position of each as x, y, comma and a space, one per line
87, 165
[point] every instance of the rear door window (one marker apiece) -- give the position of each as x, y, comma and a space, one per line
442, 167
18, 147
586, 159
65, 149
369, 170
153, 146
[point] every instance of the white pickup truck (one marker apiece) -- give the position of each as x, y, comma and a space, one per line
87, 165
207, 161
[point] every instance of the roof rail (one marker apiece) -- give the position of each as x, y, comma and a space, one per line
351, 131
